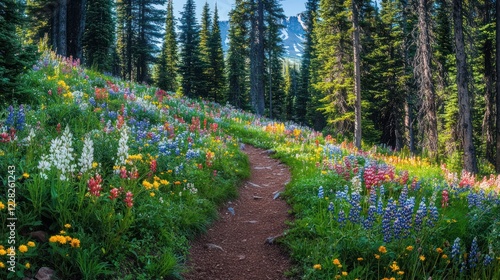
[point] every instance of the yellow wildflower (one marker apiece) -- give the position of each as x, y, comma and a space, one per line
2, 206
53, 239
409, 248
382, 249
360, 259
2, 252
2, 265
422, 257
377, 256
11, 251
444, 256
152, 194
95, 164
23, 248
67, 226
62, 232
27, 265
394, 266
401, 272
164, 182
75, 243
344, 273
336, 262
26, 175
439, 250
317, 267
31, 244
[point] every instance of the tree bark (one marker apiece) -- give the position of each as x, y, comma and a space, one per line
257, 60
62, 21
409, 135
464, 107
426, 88
497, 8
357, 75
488, 120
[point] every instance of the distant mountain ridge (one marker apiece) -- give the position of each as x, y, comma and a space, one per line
293, 35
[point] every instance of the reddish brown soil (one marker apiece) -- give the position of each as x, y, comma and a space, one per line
236, 247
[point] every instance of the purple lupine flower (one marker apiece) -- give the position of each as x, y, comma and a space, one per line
403, 196
341, 218
21, 118
433, 214
370, 218
321, 193
387, 221
455, 249
373, 197
420, 215
380, 206
9, 122
487, 260
474, 254
331, 207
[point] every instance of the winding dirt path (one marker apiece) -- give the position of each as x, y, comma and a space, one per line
240, 245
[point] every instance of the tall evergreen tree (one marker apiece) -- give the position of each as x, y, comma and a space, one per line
205, 34
190, 67
497, 86
217, 78
470, 162
237, 70
273, 44
15, 58
386, 79
63, 21
99, 36
166, 76
127, 33
303, 99
357, 72
334, 60
423, 70
257, 55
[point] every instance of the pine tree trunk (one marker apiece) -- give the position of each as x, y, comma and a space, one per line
464, 107
357, 75
426, 87
498, 86
410, 138
257, 60
62, 21
81, 29
488, 120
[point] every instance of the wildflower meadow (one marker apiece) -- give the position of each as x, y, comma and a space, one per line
107, 179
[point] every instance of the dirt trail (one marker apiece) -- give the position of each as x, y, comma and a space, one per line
236, 247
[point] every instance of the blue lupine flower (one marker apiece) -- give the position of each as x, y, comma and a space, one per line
487, 260
433, 214
92, 101
355, 211
382, 191
342, 195
420, 215
387, 220
21, 118
380, 206
321, 193
341, 218
455, 249
403, 195
370, 218
9, 122
331, 207
408, 207
373, 197
191, 154
474, 254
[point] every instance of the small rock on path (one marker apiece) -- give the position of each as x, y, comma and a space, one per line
245, 252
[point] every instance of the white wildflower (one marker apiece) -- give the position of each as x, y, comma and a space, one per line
122, 154
356, 184
44, 166
87, 157
60, 157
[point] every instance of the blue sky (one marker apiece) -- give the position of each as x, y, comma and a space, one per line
291, 7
